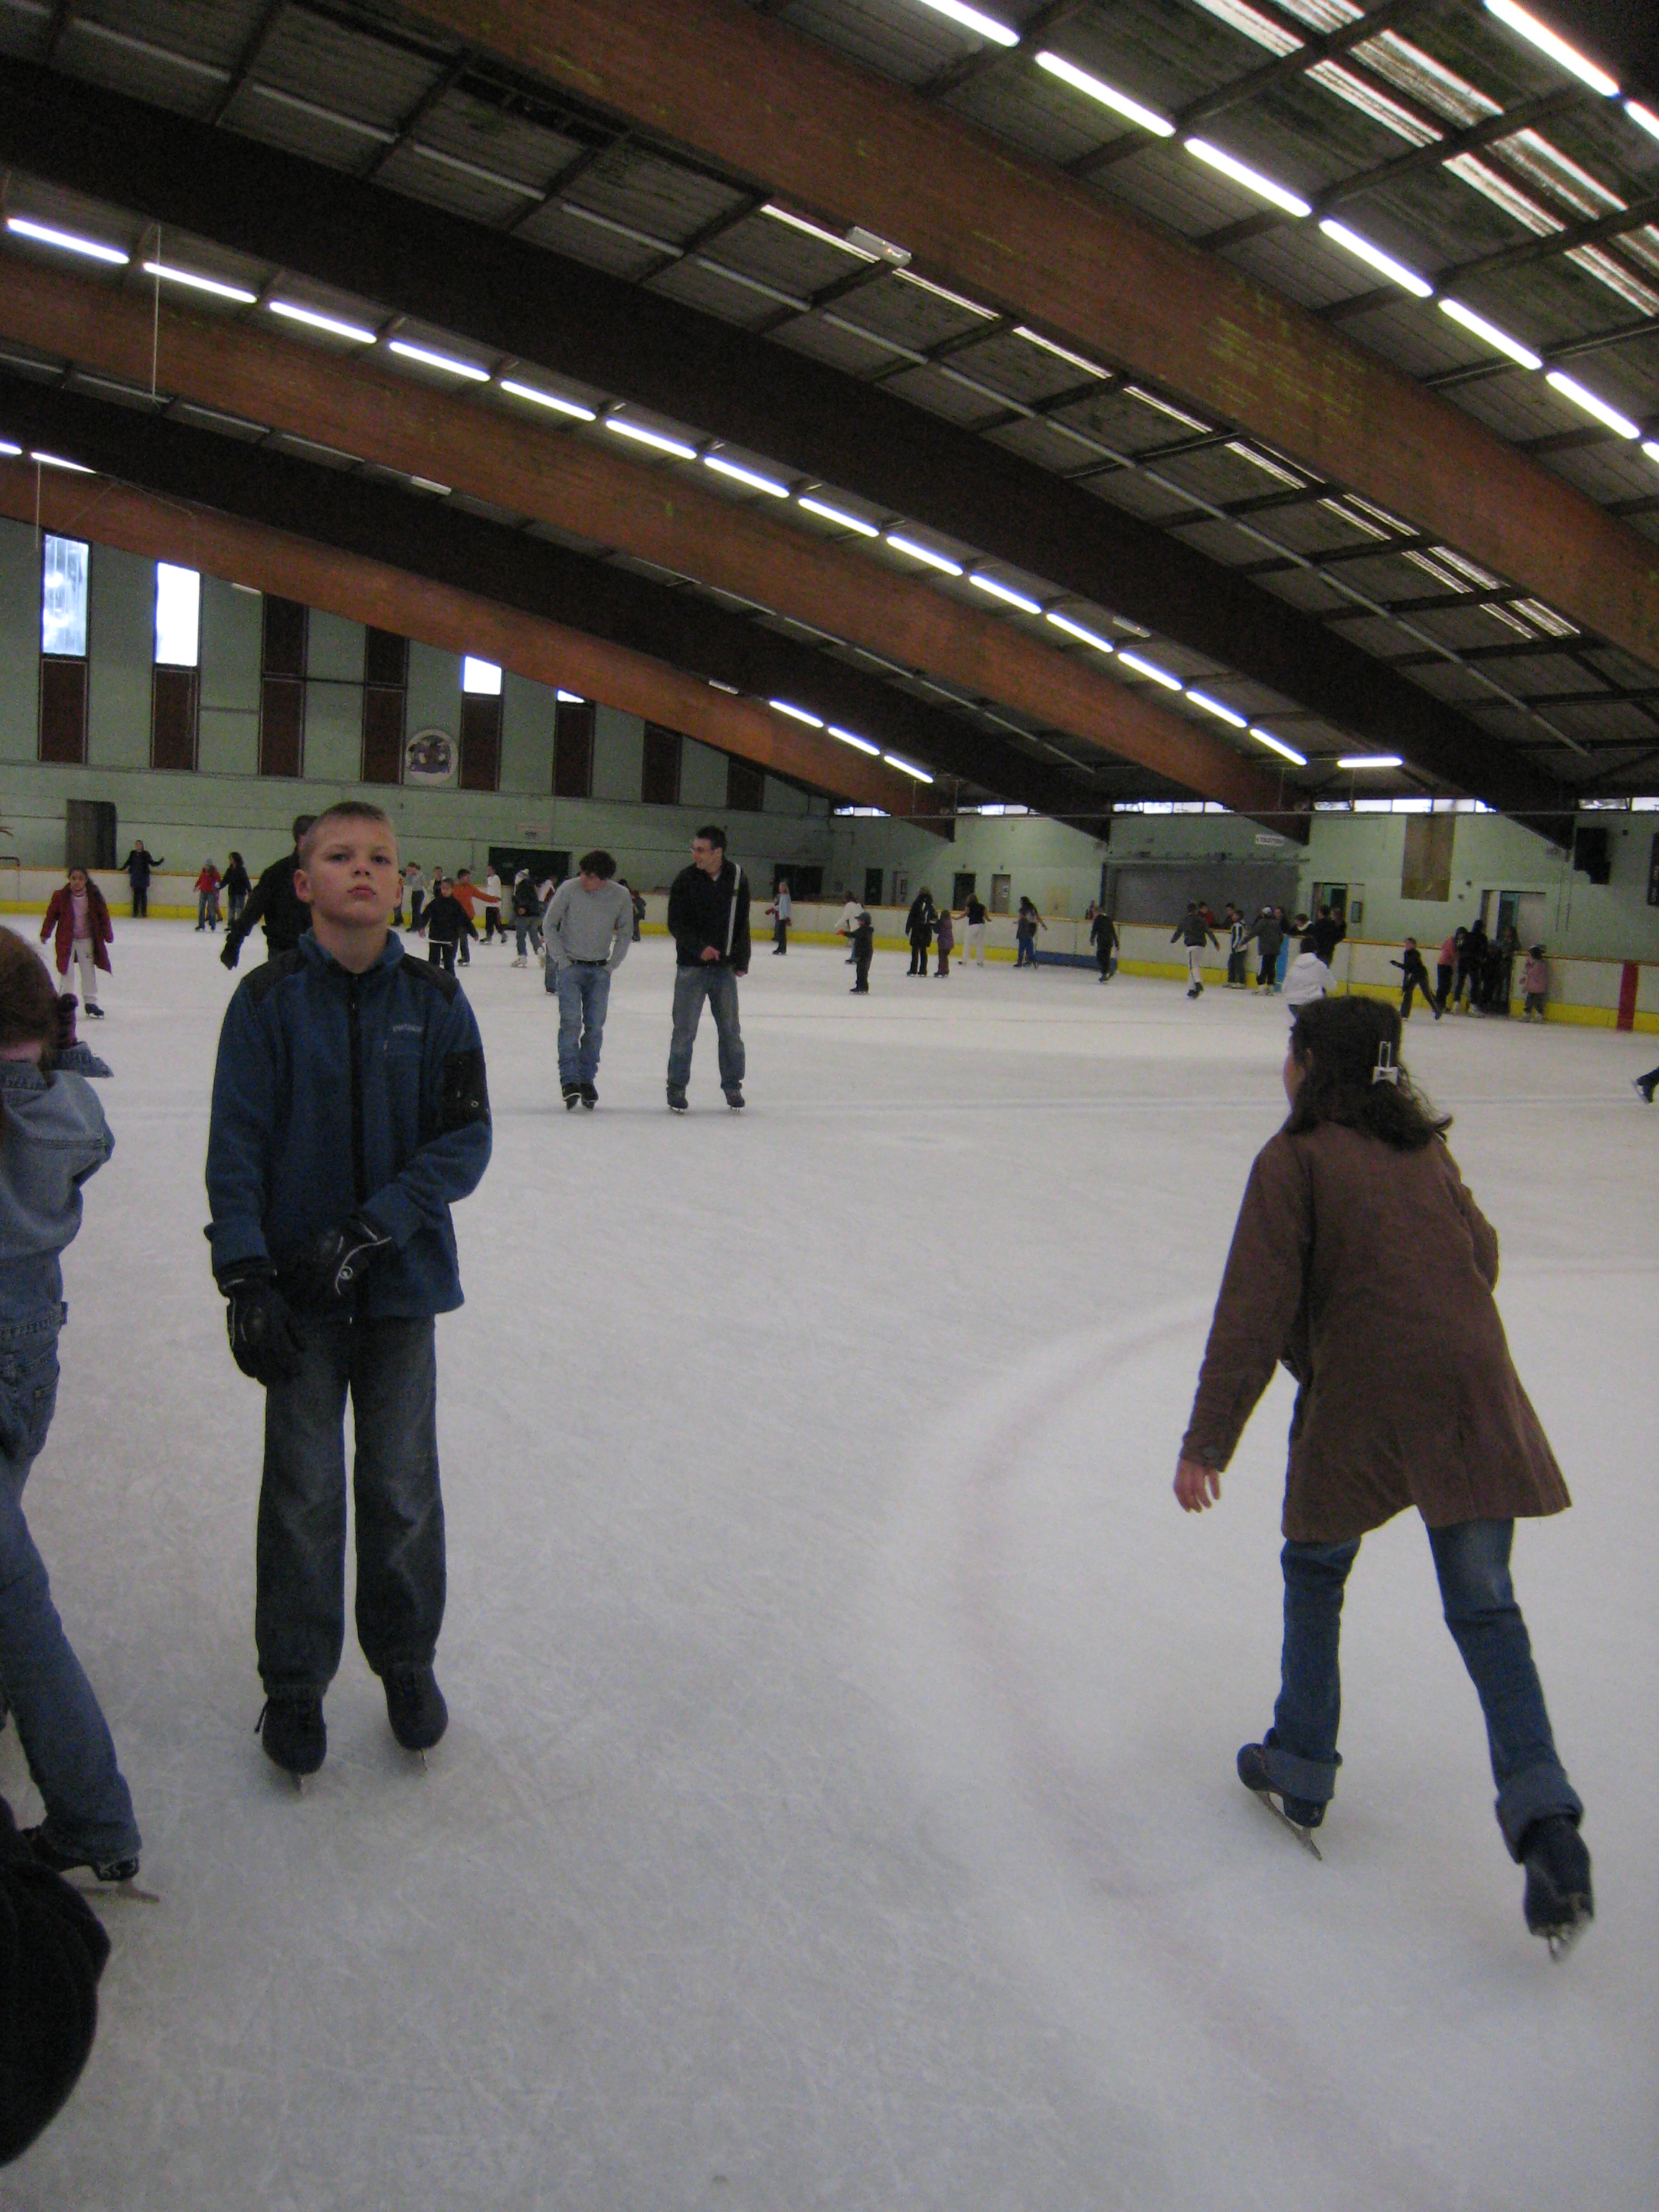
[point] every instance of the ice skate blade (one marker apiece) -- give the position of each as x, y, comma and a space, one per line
1561, 1939
1304, 1836
129, 1889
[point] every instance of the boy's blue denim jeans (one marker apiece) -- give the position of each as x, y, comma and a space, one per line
583, 993
1471, 1559
719, 987
390, 1368
64, 1735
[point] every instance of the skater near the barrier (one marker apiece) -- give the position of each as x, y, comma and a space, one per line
588, 930
1446, 968
1361, 1262
138, 867
709, 921
848, 922
1237, 930
275, 903
944, 936
448, 925
1027, 922
77, 921
919, 928
236, 887
1194, 933
207, 897
783, 911
1102, 935
1414, 976
864, 945
53, 1137
1267, 931
1535, 983
349, 1111
974, 914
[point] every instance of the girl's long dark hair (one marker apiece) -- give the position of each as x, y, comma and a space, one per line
1338, 1043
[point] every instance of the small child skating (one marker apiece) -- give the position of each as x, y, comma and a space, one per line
1414, 976
1194, 933
944, 937
1359, 1258
77, 921
53, 1137
1535, 983
350, 1110
1307, 978
864, 945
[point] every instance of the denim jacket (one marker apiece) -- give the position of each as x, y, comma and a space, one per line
54, 1136
336, 1094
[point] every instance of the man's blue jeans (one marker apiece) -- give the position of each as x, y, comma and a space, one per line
64, 1735
1471, 1559
583, 994
390, 1368
719, 987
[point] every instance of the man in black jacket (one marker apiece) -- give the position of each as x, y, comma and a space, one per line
273, 901
709, 921
1102, 935
139, 865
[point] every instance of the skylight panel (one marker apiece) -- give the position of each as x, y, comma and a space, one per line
1163, 407
1643, 244
954, 299
1323, 15
1275, 469
1409, 70
1061, 352
1381, 514
1353, 521
1259, 29
1551, 43
1546, 618
1532, 154
1502, 193
1432, 567
1465, 568
1376, 105
1106, 95
1501, 615
497, 178
1617, 278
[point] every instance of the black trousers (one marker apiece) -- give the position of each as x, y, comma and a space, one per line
862, 975
918, 956
780, 937
441, 953
140, 900
493, 924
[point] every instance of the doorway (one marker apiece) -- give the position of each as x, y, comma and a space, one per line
1526, 913
962, 888
1335, 896
1001, 893
872, 887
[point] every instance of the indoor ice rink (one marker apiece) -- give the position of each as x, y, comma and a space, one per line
838, 1804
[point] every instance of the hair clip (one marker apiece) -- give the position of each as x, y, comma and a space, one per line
1388, 1067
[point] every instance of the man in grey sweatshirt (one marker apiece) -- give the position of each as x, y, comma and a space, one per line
587, 929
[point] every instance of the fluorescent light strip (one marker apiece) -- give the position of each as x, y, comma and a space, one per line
641, 436
1127, 659
43, 234
1650, 447
753, 284
213, 284
1214, 707
374, 130
1244, 453
858, 744
1539, 35
1362, 250
1278, 745
796, 714
12, 452
1076, 629
1076, 360
984, 27
549, 399
621, 229
1368, 760
1006, 592
816, 230
57, 461
836, 515
1252, 179
924, 554
1569, 388
1643, 118
755, 482
431, 483
1096, 88
1163, 407
1490, 334
514, 185
447, 362
315, 320
954, 299
907, 767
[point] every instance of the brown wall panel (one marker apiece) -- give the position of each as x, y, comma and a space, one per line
174, 699
62, 709
282, 726
481, 742
660, 774
383, 733
573, 750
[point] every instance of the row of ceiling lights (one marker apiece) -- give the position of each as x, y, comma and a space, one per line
900, 541
1341, 234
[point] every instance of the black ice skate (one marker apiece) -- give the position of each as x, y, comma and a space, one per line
590, 1096
415, 1707
678, 1101
293, 1734
1558, 1899
736, 1100
572, 1095
117, 1877
1299, 1814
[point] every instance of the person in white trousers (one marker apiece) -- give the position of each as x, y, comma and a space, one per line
78, 920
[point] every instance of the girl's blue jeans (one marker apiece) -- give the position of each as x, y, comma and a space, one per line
65, 1738
1471, 1559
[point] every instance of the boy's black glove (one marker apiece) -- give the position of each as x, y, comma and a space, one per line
336, 1263
264, 1341
233, 952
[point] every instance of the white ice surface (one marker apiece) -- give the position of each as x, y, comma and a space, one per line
838, 1807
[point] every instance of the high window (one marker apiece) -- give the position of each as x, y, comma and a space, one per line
283, 687
481, 725
659, 772
175, 680
385, 703
573, 748
745, 785
65, 568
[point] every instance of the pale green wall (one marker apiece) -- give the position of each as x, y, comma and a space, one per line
20, 643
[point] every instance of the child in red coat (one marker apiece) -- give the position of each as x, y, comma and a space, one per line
80, 918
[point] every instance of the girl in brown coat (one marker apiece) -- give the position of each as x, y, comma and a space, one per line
1358, 1258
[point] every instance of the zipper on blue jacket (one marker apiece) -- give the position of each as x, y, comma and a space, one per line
353, 1028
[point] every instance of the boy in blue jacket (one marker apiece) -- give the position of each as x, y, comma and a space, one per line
349, 1110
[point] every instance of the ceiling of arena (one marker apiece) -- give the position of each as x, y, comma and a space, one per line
732, 418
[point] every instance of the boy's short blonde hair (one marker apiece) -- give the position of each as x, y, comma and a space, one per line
347, 809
